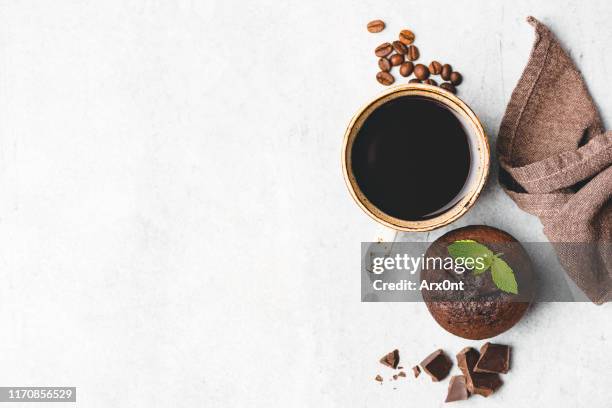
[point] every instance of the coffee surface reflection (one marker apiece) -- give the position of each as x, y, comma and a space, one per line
412, 158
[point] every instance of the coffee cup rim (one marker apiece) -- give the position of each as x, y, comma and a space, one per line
481, 171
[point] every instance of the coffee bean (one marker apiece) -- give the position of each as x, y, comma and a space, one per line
435, 68
384, 65
406, 69
446, 72
385, 78
413, 53
406, 37
399, 47
430, 82
376, 26
421, 71
396, 59
456, 78
414, 81
449, 87
383, 50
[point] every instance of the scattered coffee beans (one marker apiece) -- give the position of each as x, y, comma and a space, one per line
406, 37
456, 78
385, 78
413, 53
396, 59
421, 71
402, 53
384, 64
376, 26
435, 68
446, 72
383, 50
399, 47
449, 87
406, 69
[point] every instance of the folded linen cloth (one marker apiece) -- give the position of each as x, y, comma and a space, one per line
556, 163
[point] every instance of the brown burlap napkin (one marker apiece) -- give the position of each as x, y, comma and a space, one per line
556, 161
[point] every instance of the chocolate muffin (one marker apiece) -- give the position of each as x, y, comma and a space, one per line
481, 310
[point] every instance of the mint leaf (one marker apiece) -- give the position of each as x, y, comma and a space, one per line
501, 272
468, 248
487, 263
503, 276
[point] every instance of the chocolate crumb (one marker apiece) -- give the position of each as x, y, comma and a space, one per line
395, 376
416, 370
379, 378
391, 359
402, 374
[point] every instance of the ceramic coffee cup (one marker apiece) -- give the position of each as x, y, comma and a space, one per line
478, 148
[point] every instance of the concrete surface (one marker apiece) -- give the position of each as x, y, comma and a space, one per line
174, 226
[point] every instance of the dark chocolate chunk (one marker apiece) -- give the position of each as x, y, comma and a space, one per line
494, 358
391, 359
378, 378
416, 370
401, 374
395, 376
477, 383
437, 365
457, 389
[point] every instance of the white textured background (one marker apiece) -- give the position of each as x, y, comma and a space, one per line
174, 226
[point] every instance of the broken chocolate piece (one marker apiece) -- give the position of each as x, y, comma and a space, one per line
401, 374
416, 370
379, 378
395, 376
437, 365
494, 358
477, 383
391, 359
457, 389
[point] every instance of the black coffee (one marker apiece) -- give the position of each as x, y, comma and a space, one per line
411, 158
